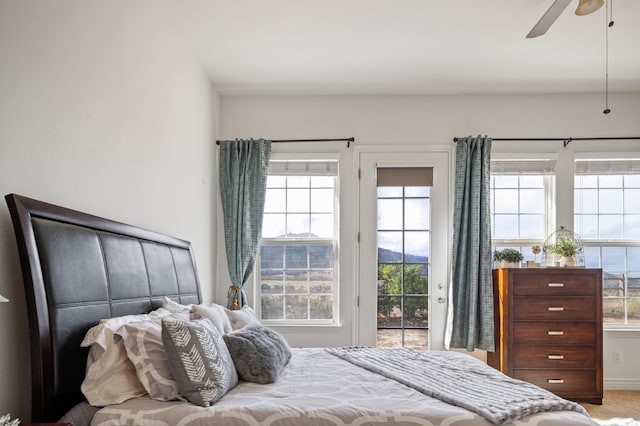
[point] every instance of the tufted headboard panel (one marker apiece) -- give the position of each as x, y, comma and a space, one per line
78, 269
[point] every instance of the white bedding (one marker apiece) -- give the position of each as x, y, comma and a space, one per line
316, 388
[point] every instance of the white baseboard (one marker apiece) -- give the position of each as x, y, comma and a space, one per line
621, 384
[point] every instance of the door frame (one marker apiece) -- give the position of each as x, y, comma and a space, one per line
442, 192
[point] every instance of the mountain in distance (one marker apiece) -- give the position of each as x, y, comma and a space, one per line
390, 256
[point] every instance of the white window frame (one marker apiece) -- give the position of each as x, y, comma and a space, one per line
609, 242
335, 321
549, 209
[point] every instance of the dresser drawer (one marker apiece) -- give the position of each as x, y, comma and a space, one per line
554, 333
550, 284
575, 308
580, 381
553, 357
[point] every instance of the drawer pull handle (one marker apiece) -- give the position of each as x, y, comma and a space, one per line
555, 284
555, 308
555, 333
555, 381
555, 356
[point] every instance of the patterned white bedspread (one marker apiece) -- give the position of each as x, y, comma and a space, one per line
319, 389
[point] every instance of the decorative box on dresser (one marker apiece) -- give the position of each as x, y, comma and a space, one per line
549, 329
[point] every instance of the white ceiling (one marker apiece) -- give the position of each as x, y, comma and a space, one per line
408, 46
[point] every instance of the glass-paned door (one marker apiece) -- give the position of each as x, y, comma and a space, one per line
404, 246
403, 255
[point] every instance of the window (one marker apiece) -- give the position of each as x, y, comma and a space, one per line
299, 249
607, 218
521, 206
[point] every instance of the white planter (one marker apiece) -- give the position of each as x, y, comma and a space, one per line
568, 261
505, 264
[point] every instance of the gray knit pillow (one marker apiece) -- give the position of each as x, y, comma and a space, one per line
259, 353
199, 360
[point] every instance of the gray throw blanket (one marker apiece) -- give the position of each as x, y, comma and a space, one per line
460, 380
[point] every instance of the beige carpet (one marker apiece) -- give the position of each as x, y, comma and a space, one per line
619, 408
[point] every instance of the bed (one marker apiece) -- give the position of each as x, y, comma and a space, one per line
81, 271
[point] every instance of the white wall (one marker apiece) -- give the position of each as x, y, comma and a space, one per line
101, 110
409, 120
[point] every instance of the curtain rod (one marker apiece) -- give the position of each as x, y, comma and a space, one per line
566, 141
349, 141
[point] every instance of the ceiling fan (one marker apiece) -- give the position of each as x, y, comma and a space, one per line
585, 7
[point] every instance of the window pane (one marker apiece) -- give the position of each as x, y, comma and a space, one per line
531, 181
610, 181
610, 201
322, 225
297, 307
416, 339
613, 285
298, 181
389, 191
532, 201
297, 200
416, 311
275, 201
320, 282
632, 181
321, 256
417, 244
613, 258
587, 226
321, 307
505, 181
389, 214
389, 241
506, 226
416, 279
389, 278
276, 181
416, 191
416, 214
271, 307
322, 200
632, 201
613, 310
610, 226
633, 284
271, 257
532, 226
389, 310
586, 201
632, 226
322, 181
273, 225
506, 201
297, 225
296, 257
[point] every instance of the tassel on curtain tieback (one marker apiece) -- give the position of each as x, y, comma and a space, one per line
235, 290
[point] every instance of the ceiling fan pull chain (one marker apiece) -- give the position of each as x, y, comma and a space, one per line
609, 23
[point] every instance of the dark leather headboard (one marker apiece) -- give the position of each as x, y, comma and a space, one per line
78, 269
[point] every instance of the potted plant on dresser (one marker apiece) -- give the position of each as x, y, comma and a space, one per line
507, 258
566, 248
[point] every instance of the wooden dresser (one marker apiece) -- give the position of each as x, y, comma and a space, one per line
549, 329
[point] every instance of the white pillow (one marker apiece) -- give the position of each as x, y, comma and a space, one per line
110, 376
143, 343
175, 307
242, 317
214, 313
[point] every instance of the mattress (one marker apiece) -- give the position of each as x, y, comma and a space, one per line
316, 388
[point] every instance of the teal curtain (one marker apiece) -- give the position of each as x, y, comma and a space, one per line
243, 185
470, 320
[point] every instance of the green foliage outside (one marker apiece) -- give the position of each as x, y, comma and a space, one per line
390, 291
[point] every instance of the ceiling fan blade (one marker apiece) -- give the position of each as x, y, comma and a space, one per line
548, 18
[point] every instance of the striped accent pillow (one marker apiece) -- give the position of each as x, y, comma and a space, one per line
199, 360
